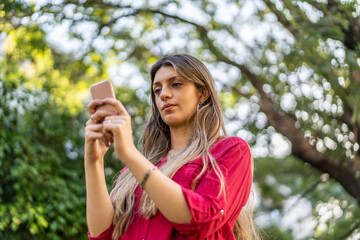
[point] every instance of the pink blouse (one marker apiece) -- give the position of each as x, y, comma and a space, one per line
213, 217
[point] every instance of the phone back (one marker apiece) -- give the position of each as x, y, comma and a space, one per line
103, 90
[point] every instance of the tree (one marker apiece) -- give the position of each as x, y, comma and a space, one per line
42, 191
299, 76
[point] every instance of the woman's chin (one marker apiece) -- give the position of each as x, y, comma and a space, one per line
172, 122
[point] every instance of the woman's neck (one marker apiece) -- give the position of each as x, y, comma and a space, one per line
179, 139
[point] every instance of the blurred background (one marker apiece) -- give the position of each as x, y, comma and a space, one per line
287, 73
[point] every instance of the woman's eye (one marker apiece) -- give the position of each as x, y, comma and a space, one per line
176, 84
156, 91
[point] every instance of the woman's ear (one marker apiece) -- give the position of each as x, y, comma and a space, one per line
204, 95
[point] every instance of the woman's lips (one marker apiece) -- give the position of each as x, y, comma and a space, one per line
169, 108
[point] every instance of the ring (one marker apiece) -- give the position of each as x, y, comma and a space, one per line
92, 117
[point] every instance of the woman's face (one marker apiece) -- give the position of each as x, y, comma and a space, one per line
175, 97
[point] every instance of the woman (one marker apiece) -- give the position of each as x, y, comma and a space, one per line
189, 183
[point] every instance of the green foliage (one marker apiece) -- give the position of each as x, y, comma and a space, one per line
42, 94
274, 232
42, 194
310, 52
279, 179
42, 183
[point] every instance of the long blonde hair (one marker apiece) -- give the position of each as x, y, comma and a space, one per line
205, 123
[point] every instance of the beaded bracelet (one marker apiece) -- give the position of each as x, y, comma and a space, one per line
146, 177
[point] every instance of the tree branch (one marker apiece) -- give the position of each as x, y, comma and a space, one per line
346, 235
281, 17
307, 191
284, 124
237, 91
354, 27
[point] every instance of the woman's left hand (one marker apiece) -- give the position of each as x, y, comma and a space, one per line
120, 127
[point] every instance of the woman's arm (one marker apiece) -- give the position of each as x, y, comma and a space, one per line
166, 194
99, 210
210, 211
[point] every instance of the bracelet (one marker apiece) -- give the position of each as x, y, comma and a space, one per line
147, 176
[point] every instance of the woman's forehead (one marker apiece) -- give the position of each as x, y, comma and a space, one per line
168, 74
164, 72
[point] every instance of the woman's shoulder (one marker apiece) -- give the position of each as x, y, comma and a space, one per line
229, 142
230, 148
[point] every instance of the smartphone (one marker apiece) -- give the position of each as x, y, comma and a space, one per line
103, 90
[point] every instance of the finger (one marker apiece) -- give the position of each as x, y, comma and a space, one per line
109, 126
113, 122
92, 136
90, 122
109, 136
93, 105
100, 114
117, 118
112, 128
94, 128
98, 128
117, 104
106, 141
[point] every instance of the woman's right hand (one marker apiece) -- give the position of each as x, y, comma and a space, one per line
96, 142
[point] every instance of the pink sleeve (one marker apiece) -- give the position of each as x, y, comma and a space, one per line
210, 212
105, 235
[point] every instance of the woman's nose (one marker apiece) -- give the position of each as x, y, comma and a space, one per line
165, 93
